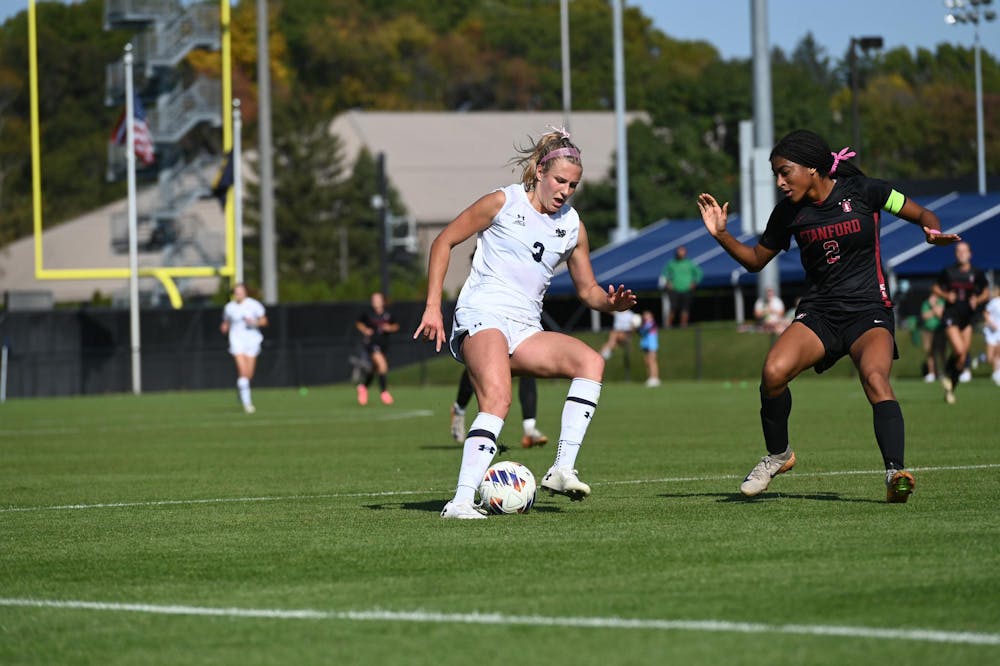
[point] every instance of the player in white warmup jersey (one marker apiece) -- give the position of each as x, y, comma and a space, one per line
242, 319
523, 232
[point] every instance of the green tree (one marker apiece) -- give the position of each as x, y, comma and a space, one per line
321, 205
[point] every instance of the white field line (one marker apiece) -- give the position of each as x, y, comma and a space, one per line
250, 422
392, 493
432, 617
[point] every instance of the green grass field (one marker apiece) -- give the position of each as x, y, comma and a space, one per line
174, 529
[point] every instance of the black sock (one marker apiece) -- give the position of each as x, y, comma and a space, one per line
382, 382
367, 378
774, 420
527, 394
464, 391
888, 419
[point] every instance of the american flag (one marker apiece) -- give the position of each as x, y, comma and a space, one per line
143, 139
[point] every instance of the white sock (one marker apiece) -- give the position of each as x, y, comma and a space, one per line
529, 426
480, 447
458, 410
243, 386
581, 402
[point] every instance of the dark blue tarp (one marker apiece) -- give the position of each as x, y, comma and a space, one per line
637, 262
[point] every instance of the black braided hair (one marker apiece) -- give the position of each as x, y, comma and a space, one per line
810, 150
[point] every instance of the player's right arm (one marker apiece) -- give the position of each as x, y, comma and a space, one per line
224, 326
714, 216
470, 221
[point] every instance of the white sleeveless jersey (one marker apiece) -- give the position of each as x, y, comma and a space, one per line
236, 314
516, 257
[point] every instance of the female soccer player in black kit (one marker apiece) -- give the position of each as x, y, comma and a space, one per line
964, 288
833, 212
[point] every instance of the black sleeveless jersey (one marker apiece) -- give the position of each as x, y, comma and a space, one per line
965, 284
377, 322
838, 241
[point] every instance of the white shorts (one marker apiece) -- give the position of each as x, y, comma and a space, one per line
244, 347
992, 337
469, 322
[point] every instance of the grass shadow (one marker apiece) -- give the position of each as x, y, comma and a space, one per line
435, 506
739, 498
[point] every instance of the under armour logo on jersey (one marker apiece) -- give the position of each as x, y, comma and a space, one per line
519, 220
561, 233
845, 205
801, 315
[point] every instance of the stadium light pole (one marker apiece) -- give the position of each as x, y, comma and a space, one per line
763, 137
237, 158
567, 93
624, 230
268, 238
974, 12
866, 44
133, 250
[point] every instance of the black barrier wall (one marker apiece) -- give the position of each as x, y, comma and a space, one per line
87, 351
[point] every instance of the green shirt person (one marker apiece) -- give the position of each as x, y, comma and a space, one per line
679, 278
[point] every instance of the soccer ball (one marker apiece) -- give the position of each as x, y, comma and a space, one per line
508, 487
636, 320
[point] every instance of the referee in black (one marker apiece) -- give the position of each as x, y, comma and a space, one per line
964, 288
833, 211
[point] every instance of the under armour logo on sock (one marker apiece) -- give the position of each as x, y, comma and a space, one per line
586, 415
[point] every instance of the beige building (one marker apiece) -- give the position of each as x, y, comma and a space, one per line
439, 162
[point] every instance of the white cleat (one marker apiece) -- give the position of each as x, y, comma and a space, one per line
462, 511
769, 467
565, 482
249, 409
949, 390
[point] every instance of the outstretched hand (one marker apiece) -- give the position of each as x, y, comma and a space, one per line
431, 327
712, 214
935, 237
621, 299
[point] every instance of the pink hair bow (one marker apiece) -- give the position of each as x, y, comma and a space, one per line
562, 130
842, 156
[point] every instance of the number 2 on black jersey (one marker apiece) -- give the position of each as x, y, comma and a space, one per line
832, 248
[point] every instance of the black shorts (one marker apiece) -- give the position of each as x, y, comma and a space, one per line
838, 330
680, 301
957, 316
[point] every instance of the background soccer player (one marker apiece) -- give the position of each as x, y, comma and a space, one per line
376, 325
242, 319
964, 288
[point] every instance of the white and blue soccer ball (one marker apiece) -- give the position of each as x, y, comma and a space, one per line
507, 487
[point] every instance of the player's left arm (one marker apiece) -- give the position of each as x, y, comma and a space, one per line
909, 210
590, 293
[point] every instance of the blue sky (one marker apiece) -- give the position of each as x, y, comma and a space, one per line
909, 23
726, 23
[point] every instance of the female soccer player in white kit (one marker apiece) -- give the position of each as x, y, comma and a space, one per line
242, 319
523, 232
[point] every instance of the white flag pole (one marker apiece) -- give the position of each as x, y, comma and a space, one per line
237, 159
133, 250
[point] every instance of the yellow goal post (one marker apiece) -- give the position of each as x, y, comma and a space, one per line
165, 274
